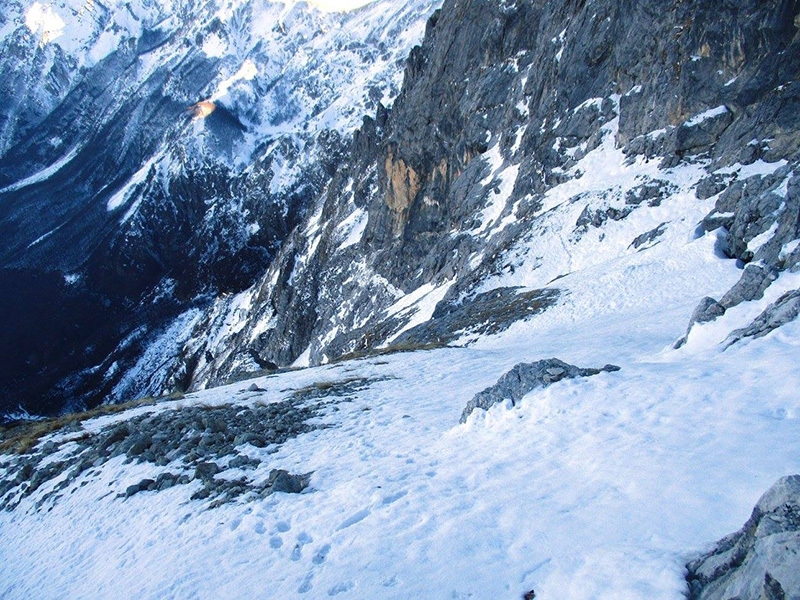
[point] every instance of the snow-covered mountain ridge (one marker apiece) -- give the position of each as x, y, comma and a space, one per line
263, 236
113, 198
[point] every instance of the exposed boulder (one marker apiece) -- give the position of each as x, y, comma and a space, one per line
648, 238
206, 470
526, 377
761, 559
143, 486
754, 280
486, 313
288, 483
782, 311
707, 310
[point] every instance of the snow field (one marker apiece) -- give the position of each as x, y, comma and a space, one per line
592, 488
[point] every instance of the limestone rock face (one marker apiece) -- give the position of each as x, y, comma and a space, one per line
761, 559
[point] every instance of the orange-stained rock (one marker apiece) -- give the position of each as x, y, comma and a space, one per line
202, 109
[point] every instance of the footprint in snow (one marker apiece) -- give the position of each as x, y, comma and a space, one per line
355, 518
297, 552
259, 528
341, 588
275, 542
282, 526
306, 586
321, 554
302, 540
392, 498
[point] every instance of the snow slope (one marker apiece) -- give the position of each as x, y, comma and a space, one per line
592, 488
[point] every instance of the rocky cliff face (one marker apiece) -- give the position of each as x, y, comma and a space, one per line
525, 136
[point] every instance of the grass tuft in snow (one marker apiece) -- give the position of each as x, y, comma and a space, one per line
22, 437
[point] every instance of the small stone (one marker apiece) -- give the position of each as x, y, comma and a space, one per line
201, 494
117, 434
206, 470
143, 485
165, 480
242, 462
283, 481
139, 446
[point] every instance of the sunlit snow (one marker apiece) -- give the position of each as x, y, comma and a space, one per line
246, 72
44, 21
339, 5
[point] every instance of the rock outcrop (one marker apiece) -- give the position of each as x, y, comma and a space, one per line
784, 310
526, 377
760, 560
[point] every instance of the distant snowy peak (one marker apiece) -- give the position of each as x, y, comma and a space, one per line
88, 30
277, 70
335, 5
270, 40
290, 68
